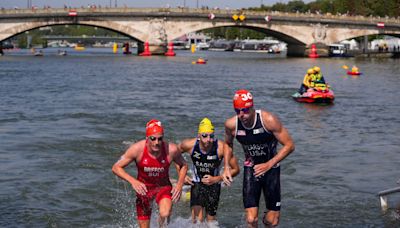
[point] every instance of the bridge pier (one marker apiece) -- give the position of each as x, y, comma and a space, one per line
155, 49
294, 50
322, 49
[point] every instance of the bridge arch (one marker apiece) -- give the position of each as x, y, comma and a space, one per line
19, 28
158, 26
294, 45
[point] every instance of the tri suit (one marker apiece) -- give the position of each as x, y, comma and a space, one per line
205, 163
154, 173
259, 146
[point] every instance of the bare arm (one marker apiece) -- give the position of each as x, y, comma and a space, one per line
180, 161
230, 125
129, 156
185, 146
235, 170
283, 137
210, 180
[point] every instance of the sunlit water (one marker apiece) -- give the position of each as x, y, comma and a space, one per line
64, 121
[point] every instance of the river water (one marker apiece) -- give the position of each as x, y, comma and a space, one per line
65, 120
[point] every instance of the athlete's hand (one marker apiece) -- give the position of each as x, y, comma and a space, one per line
176, 193
188, 180
139, 187
209, 180
227, 176
261, 169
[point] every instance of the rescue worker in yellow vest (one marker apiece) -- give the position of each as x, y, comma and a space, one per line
318, 75
307, 81
318, 80
354, 69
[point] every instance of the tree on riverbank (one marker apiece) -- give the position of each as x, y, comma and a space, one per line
383, 8
61, 30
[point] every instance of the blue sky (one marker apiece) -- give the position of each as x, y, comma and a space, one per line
232, 4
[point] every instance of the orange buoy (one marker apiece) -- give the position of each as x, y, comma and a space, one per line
170, 51
146, 50
313, 53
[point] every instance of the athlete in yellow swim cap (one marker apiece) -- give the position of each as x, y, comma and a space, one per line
206, 153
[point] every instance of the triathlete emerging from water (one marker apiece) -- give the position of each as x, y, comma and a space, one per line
206, 153
258, 132
153, 157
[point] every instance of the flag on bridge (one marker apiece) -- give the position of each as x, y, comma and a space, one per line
72, 13
380, 25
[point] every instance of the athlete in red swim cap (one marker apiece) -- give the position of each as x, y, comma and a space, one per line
153, 157
259, 132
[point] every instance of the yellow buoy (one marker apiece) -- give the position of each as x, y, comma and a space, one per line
115, 48
185, 196
193, 48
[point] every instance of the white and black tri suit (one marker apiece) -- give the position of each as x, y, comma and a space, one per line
259, 146
204, 163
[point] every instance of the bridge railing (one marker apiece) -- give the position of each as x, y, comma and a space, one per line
328, 16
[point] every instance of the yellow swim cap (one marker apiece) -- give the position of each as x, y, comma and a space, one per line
206, 126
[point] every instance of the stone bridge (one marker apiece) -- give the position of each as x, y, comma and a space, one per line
161, 25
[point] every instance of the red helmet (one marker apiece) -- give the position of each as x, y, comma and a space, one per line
242, 99
153, 127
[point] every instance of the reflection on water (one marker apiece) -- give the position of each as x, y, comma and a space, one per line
65, 120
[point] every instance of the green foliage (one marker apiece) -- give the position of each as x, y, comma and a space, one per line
62, 30
381, 8
232, 33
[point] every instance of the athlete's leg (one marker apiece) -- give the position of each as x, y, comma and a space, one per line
271, 218
212, 200
143, 210
197, 214
144, 223
251, 196
272, 195
165, 208
252, 216
212, 223
211, 218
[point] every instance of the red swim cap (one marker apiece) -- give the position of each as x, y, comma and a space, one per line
153, 127
242, 99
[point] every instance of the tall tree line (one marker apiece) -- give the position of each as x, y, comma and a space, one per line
366, 8
380, 8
